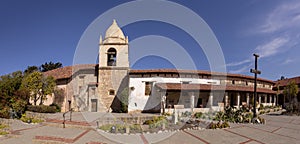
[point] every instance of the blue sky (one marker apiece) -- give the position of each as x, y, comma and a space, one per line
33, 32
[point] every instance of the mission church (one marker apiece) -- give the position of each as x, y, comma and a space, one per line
108, 85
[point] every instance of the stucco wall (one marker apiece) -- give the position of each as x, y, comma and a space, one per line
139, 101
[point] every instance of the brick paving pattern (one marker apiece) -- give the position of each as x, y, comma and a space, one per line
278, 129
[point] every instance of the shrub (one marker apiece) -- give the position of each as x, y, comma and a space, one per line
4, 112
148, 122
26, 119
261, 107
156, 122
167, 114
186, 114
198, 114
106, 127
3, 133
124, 101
58, 108
248, 117
231, 115
18, 107
41, 108
218, 125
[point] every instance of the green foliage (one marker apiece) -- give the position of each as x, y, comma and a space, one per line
26, 119
42, 108
120, 128
2, 129
156, 122
124, 100
50, 66
106, 127
33, 83
4, 112
261, 106
19, 107
10, 83
186, 114
11, 96
31, 69
4, 132
291, 91
233, 115
167, 114
15, 90
2, 126
198, 114
39, 86
58, 108
218, 125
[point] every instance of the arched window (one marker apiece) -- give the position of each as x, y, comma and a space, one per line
111, 57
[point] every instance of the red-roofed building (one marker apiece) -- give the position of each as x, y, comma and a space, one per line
281, 84
105, 86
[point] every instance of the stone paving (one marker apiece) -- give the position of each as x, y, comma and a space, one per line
278, 129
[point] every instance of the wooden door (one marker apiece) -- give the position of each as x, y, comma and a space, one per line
94, 105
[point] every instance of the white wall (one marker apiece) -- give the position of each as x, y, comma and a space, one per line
138, 99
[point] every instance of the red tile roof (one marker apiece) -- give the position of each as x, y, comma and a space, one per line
205, 87
285, 82
174, 71
68, 71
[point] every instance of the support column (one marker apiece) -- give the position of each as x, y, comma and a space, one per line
259, 99
211, 99
266, 98
248, 99
192, 100
163, 102
275, 100
238, 100
270, 98
226, 99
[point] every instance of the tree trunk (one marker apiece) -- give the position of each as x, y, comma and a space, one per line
41, 101
35, 100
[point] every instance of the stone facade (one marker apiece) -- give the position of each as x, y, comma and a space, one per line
110, 82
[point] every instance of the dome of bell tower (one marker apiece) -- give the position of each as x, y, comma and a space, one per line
114, 31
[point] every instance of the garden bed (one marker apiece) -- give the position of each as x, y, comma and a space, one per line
158, 124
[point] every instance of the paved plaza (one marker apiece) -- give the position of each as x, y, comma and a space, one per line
278, 129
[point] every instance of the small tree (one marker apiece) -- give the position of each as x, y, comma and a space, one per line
39, 86
11, 96
291, 91
48, 87
30, 69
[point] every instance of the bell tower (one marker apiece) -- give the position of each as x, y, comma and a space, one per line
113, 67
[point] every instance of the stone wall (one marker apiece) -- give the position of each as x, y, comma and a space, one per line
111, 80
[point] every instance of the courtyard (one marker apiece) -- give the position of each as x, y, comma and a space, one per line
82, 129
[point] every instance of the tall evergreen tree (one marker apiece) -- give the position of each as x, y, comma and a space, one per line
50, 66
